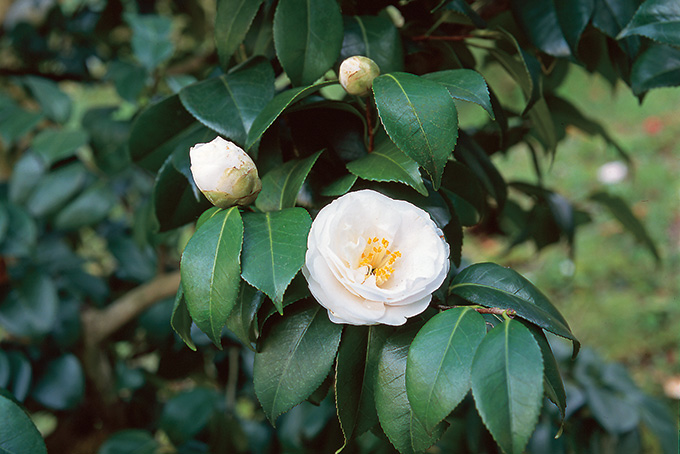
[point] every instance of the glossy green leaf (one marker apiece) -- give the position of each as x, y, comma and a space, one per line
281, 185
420, 117
656, 19
151, 42
162, 128
539, 20
491, 285
340, 186
439, 362
573, 16
232, 21
388, 163
552, 379
229, 103
242, 316
181, 319
374, 37
62, 384
464, 84
402, 427
55, 103
89, 207
355, 374
211, 271
658, 66
130, 441
21, 233
274, 246
507, 378
56, 188
307, 37
620, 210
294, 359
25, 176
30, 310
18, 434
276, 107
611, 17
187, 413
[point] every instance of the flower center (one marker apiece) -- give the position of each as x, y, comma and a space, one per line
378, 259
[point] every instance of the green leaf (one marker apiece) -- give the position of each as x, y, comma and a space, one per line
55, 189
539, 20
151, 42
573, 16
491, 285
339, 187
439, 362
181, 320
229, 103
281, 185
307, 38
656, 19
211, 271
611, 17
475, 158
242, 316
129, 78
130, 441
30, 310
388, 163
108, 139
355, 374
232, 21
276, 106
25, 176
619, 208
552, 380
658, 66
507, 377
55, 103
420, 117
295, 358
163, 128
89, 207
402, 427
176, 199
463, 189
17, 432
464, 84
21, 234
21, 375
274, 246
187, 413
15, 122
374, 37
62, 385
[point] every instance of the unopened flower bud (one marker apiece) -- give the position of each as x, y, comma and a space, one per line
224, 173
357, 74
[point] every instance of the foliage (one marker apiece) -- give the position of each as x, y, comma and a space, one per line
101, 219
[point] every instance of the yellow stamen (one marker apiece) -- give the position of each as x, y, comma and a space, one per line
378, 260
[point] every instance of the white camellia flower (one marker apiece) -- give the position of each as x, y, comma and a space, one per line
371, 259
224, 173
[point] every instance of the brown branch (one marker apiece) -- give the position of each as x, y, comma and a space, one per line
484, 310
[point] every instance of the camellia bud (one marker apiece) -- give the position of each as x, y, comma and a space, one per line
224, 173
357, 74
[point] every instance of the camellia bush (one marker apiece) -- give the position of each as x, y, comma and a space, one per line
239, 227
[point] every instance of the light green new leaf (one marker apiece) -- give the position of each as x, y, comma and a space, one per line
229, 103
181, 320
281, 185
622, 212
658, 66
420, 117
491, 285
656, 19
439, 361
211, 271
388, 163
464, 84
402, 427
274, 246
507, 378
294, 360
232, 21
276, 107
17, 431
307, 38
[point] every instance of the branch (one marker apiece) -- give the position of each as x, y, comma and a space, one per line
484, 310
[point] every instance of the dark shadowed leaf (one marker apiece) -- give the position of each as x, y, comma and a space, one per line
232, 21
281, 185
658, 66
242, 316
89, 207
187, 413
181, 320
573, 16
30, 309
62, 385
130, 441
18, 434
374, 37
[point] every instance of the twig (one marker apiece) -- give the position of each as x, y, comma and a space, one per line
484, 310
